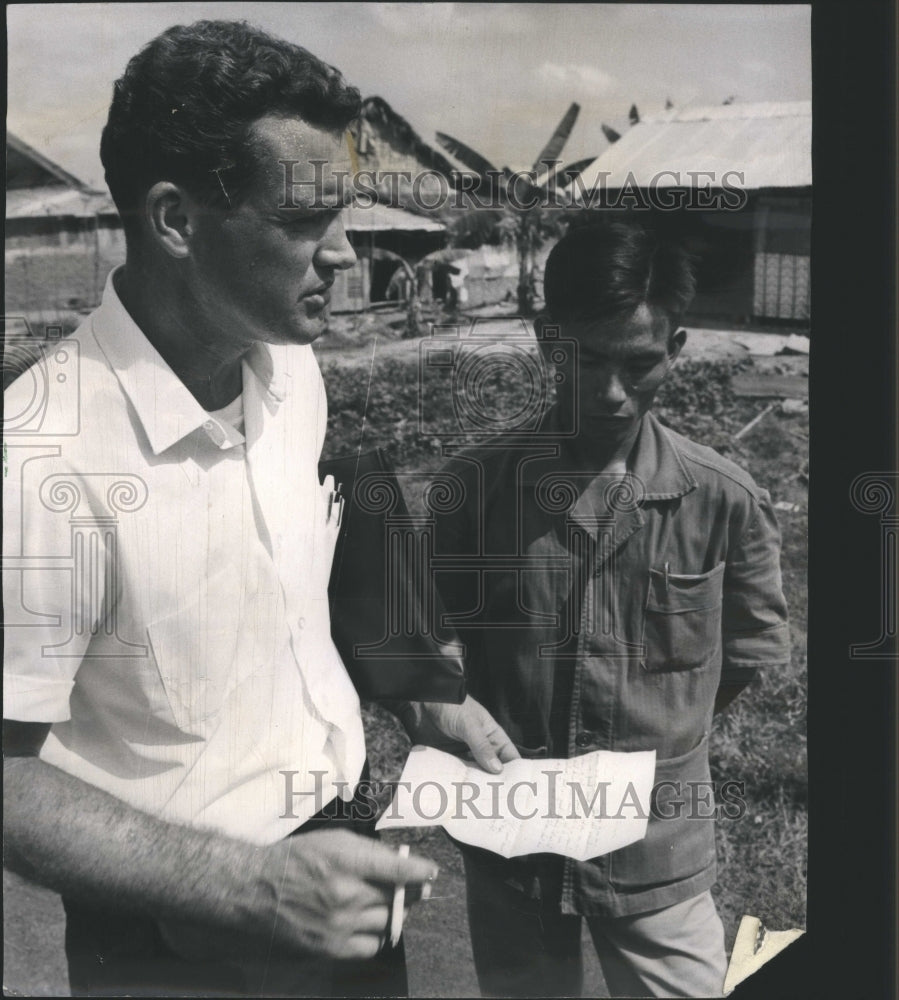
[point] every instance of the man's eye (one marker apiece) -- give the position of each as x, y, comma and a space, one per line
311, 216
642, 370
305, 218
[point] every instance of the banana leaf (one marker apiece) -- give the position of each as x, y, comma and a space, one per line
563, 130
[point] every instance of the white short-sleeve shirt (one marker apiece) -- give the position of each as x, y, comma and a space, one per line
165, 584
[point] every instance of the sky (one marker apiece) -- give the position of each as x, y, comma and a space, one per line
496, 76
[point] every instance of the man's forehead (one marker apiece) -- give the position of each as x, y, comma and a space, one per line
308, 149
643, 331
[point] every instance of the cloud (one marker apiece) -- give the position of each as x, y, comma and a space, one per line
401, 19
759, 68
582, 77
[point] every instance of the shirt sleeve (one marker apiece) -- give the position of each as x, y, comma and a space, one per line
755, 628
53, 588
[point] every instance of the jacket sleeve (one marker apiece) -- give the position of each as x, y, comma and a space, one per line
457, 527
755, 628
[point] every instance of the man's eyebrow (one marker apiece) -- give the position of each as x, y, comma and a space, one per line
333, 193
310, 205
320, 201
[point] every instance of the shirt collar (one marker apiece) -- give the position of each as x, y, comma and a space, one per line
165, 407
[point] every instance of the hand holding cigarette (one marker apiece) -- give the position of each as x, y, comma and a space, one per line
398, 909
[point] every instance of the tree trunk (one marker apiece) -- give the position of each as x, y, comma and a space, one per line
413, 316
525, 296
523, 239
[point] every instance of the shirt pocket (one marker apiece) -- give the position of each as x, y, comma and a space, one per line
682, 620
195, 650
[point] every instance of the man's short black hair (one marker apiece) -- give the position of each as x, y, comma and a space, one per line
184, 106
613, 265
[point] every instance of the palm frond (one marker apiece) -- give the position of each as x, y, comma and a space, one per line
562, 177
552, 149
610, 133
573, 169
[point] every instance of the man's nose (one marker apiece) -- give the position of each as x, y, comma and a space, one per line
611, 391
335, 250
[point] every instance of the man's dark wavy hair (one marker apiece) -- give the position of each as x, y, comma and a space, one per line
611, 266
184, 106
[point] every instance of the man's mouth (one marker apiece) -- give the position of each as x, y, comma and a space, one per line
318, 298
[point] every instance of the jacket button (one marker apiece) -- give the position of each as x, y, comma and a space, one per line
583, 739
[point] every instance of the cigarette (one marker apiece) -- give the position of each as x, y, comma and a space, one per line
399, 905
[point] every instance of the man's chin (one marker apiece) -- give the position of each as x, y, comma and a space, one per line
608, 428
303, 333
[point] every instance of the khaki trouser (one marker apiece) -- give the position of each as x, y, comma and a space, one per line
520, 951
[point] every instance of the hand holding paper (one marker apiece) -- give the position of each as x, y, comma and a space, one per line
466, 727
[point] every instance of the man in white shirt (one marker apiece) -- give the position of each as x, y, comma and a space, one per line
167, 548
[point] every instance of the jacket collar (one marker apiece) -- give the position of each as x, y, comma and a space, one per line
655, 460
657, 463
164, 406
656, 471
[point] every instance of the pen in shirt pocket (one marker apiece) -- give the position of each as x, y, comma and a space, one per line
335, 504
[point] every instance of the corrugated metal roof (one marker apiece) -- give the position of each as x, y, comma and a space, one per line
55, 202
380, 218
769, 144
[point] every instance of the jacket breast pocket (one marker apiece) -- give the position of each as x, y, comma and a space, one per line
682, 623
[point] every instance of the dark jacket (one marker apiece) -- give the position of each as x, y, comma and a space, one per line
602, 613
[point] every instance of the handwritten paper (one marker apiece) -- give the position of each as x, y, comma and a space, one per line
581, 808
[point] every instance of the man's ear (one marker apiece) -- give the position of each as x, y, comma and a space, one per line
676, 342
168, 211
